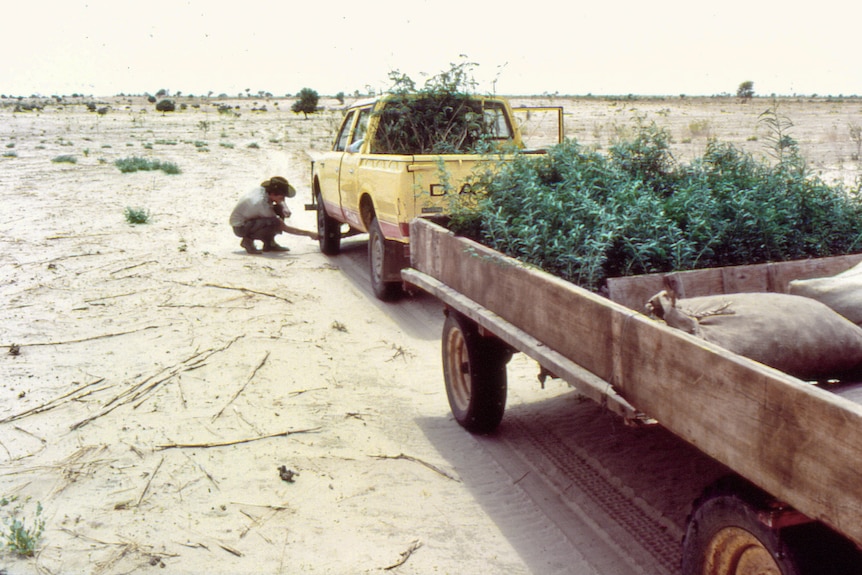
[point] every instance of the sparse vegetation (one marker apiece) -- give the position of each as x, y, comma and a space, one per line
65, 159
20, 538
136, 215
136, 163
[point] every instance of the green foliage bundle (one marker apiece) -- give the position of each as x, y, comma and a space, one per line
586, 216
440, 118
135, 163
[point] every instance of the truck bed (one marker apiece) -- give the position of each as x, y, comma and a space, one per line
797, 441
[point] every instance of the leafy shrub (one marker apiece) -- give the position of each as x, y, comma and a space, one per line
166, 106
135, 163
586, 216
21, 539
306, 103
136, 215
65, 159
441, 117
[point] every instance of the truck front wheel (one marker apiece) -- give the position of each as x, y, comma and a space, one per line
474, 369
328, 230
377, 261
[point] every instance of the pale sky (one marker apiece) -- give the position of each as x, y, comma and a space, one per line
600, 47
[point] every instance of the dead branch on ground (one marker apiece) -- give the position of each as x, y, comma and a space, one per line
241, 389
430, 466
405, 555
235, 442
141, 390
103, 336
73, 395
147, 486
245, 290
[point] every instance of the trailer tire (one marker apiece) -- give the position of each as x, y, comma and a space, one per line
384, 290
725, 537
474, 369
328, 230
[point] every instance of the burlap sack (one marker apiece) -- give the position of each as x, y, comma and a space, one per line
797, 335
841, 292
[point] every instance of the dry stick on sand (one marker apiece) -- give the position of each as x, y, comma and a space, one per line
142, 389
247, 290
419, 461
83, 339
73, 395
405, 555
232, 399
147, 486
236, 442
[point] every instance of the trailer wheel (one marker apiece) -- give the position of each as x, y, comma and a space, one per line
725, 537
384, 290
328, 230
474, 369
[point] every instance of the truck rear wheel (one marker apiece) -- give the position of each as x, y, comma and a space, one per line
384, 290
474, 369
328, 230
726, 537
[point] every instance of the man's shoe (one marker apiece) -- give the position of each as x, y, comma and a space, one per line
274, 247
248, 245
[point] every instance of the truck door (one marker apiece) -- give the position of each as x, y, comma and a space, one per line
328, 169
348, 181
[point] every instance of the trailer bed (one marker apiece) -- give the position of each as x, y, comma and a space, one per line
797, 441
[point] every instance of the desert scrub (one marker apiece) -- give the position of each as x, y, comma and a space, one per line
135, 163
21, 538
136, 215
586, 216
65, 159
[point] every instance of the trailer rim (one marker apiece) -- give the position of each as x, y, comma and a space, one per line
474, 370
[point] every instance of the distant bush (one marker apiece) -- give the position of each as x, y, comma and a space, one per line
306, 103
166, 106
136, 215
65, 159
135, 164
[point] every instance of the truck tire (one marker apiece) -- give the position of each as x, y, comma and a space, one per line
328, 230
474, 369
724, 535
384, 290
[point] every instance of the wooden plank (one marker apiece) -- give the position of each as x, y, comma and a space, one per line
796, 441
586, 383
524, 296
634, 291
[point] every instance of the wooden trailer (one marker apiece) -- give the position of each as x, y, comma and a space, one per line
796, 446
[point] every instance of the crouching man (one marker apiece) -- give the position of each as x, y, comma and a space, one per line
260, 214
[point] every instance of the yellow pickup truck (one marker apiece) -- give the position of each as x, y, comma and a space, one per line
376, 180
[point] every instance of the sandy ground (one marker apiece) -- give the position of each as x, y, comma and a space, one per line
155, 378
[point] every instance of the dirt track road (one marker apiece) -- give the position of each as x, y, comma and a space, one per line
571, 487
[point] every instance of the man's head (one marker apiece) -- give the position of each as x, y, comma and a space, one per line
278, 186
